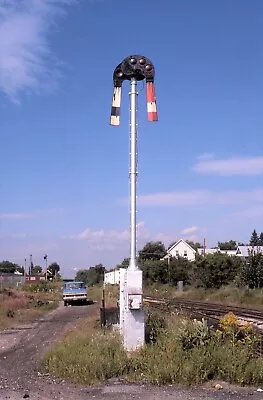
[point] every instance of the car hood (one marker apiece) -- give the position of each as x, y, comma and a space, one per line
75, 291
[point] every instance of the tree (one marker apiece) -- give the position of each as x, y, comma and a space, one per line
254, 238
260, 240
216, 270
194, 245
252, 271
152, 251
91, 276
155, 271
166, 271
7, 267
53, 269
36, 270
230, 245
124, 264
179, 269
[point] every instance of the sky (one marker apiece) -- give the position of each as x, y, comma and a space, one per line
64, 182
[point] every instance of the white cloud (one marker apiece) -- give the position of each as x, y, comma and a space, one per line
205, 156
190, 230
243, 166
18, 235
109, 239
28, 214
201, 197
112, 239
249, 213
26, 60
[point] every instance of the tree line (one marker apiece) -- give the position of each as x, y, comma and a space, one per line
211, 271
8, 267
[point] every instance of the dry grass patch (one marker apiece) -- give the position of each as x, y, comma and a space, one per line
20, 306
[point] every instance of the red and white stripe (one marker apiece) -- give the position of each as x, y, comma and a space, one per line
151, 102
116, 106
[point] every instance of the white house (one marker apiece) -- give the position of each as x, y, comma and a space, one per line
245, 251
216, 250
229, 252
207, 251
112, 277
181, 249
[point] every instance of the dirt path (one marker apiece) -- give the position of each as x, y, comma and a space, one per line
22, 348
21, 377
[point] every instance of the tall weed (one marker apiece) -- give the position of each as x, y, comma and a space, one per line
184, 352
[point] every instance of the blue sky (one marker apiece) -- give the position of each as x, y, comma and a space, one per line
64, 180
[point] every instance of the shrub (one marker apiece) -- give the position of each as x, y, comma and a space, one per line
230, 329
193, 333
154, 326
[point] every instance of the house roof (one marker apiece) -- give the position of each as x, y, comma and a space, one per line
244, 250
179, 241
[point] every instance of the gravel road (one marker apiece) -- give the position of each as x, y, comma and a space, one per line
20, 375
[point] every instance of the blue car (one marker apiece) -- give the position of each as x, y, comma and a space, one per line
74, 292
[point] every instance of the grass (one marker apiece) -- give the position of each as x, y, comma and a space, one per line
181, 352
112, 293
26, 304
229, 295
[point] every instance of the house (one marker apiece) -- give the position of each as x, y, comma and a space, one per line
201, 251
181, 249
112, 277
230, 253
245, 251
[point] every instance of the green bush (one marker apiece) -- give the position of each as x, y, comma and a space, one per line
194, 333
42, 286
154, 326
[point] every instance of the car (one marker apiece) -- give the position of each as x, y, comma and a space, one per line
74, 292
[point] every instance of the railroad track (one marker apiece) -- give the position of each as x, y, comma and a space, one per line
209, 309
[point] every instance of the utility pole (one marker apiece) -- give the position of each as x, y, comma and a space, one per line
133, 68
45, 258
31, 264
25, 267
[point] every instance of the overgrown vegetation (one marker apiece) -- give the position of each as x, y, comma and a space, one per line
180, 351
27, 303
229, 294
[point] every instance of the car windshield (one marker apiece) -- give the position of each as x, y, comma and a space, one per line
75, 285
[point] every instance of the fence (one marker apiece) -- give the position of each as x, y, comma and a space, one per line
9, 281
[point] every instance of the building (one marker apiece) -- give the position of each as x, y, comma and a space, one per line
181, 249
216, 250
245, 251
201, 251
112, 277
230, 253
241, 251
